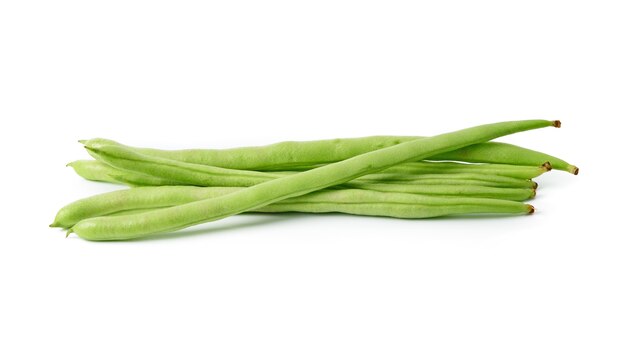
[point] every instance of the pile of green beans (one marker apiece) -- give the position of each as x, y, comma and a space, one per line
457, 173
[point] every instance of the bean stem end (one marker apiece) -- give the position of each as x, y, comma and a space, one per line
547, 166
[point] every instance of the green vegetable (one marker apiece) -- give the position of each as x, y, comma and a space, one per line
100, 171
355, 201
518, 194
260, 195
483, 174
448, 179
424, 167
291, 155
93, 170
496, 152
178, 172
183, 173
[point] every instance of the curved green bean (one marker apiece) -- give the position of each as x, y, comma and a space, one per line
257, 196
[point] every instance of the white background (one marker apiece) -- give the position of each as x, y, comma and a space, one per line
219, 74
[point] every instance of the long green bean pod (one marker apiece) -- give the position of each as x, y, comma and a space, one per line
515, 171
516, 194
449, 179
260, 195
401, 210
407, 172
292, 155
354, 201
177, 172
462, 184
184, 173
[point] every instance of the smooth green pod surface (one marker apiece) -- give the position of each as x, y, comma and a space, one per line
139, 179
382, 209
165, 196
181, 216
412, 211
449, 179
515, 194
93, 170
354, 201
515, 171
292, 155
102, 172
176, 171
184, 173
495, 152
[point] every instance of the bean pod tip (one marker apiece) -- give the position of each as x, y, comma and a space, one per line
556, 123
547, 166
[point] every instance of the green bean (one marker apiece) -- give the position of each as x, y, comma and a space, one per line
437, 181
381, 209
506, 153
415, 183
99, 171
93, 170
291, 155
257, 196
102, 172
355, 201
515, 194
177, 172
449, 179
400, 210
183, 173
522, 172
280, 156
132, 199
